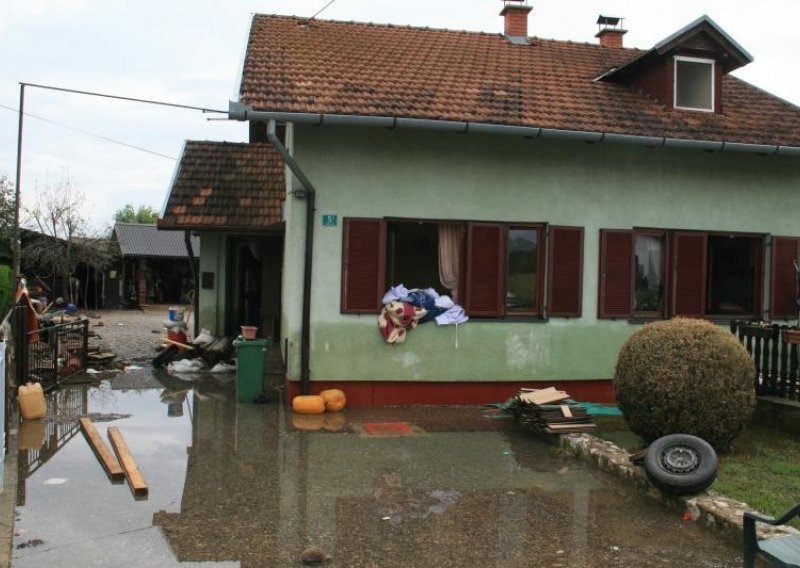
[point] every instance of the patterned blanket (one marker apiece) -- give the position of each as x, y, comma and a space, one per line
397, 317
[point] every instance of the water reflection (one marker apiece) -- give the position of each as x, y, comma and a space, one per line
249, 485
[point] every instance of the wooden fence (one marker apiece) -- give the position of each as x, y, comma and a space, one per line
774, 349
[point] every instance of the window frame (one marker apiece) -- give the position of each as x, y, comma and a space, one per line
712, 77
673, 295
665, 271
541, 254
563, 263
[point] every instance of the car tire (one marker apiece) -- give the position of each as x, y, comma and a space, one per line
681, 464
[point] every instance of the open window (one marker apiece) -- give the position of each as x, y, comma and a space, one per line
494, 269
694, 83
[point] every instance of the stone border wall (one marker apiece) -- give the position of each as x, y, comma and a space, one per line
709, 509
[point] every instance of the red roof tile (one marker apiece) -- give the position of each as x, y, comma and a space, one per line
351, 68
226, 186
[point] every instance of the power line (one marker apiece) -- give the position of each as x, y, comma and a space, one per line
320, 11
148, 101
89, 133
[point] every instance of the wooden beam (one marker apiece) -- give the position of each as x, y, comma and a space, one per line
104, 455
132, 474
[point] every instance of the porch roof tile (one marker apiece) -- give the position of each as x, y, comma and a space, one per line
226, 186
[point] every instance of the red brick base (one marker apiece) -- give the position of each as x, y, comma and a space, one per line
391, 393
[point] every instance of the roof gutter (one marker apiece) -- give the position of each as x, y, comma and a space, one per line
308, 193
238, 111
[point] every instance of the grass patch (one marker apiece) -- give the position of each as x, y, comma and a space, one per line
762, 469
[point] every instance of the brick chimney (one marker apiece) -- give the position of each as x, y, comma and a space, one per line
515, 13
610, 31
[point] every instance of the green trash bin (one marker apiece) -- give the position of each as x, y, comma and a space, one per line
251, 359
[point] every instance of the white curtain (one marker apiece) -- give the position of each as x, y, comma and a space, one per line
654, 249
450, 257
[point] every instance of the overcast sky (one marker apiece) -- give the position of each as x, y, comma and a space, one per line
190, 52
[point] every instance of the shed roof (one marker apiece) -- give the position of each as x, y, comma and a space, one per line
350, 68
226, 186
136, 239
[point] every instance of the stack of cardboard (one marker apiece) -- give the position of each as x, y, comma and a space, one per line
551, 411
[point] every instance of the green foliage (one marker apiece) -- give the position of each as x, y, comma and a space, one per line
685, 376
6, 215
6, 289
144, 215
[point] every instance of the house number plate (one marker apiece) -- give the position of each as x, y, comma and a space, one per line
329, 220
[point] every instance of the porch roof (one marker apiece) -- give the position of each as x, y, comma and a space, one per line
226, 186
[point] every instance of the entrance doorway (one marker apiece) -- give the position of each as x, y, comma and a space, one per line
254, 285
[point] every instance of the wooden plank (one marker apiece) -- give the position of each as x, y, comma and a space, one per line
178, 344
543, 397
566, 411
104, 455
132, 474
557, 428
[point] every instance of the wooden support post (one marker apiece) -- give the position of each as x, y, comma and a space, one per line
132, 474
107, 460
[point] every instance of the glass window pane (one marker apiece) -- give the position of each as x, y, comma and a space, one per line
521, 269
649, 279
731, 275
693, 82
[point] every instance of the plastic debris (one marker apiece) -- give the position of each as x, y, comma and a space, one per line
203, 338
186, 366
223, 368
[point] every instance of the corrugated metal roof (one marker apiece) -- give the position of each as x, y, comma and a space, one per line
146, 240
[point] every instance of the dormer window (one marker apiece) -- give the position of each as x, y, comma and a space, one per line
694, 83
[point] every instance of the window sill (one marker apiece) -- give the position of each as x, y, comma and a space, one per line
510, 319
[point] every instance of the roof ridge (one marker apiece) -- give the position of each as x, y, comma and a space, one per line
443, 30
219, 142
378, 25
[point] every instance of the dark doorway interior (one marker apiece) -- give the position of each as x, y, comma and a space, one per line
254, 286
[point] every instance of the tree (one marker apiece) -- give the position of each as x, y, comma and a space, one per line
63, 239
144, 215
6, 214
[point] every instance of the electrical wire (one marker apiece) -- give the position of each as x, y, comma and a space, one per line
133, 99
89, 133
320, 10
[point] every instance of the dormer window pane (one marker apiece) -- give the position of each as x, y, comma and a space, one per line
694, 84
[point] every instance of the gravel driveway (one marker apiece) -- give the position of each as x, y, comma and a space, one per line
134, 335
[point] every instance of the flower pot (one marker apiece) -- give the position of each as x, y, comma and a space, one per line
249, 331
791, 336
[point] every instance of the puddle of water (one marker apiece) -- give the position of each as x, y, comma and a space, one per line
240, 485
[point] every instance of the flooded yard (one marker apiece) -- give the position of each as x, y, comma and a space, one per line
241, 485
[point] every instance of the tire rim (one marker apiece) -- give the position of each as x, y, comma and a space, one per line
680, 459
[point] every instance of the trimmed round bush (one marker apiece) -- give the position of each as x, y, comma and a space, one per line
685, 376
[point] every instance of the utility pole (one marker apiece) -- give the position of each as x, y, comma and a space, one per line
16, 245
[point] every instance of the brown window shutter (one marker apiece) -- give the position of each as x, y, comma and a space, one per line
616, 274
363, 265
689, 274
784, 278
485, 262
565, 273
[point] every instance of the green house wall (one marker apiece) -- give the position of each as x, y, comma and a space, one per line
212, 300
431, 175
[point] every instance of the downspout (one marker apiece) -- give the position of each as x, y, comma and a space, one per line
187, 238
308, 194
